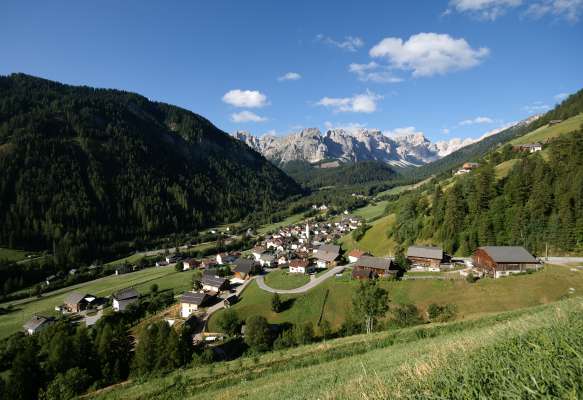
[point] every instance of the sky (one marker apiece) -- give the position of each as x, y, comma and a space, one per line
451, 68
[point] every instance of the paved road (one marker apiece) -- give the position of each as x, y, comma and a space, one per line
563, 260
310, 285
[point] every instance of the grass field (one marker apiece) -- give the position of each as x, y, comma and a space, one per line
281, 279
375, 240
503, 169
164, 277
404, 188
484, 297
546, 132
433, 361
372, 211
12, 254
292, 219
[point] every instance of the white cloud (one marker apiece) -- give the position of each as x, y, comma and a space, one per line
568, 9
247, 116
428, 54
536, 107
348, 126
245, 98
485, 9
477, 120
290, 76
405, 131
561, 96
445, 131
359, 103
373, 72
350, 43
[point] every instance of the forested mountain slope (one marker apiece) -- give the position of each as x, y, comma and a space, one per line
537, 204
359, 173
84, 167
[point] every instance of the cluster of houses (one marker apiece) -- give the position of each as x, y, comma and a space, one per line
466, 168
527, 148
303, 249
80, 303
491, 261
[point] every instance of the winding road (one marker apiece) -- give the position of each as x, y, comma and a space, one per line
302, 289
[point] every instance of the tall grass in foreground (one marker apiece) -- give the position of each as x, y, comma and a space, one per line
543, 363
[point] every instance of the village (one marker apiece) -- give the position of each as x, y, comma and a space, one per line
309, 249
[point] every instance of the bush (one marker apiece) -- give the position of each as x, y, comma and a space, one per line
437, 313
276, 303
471, 278
228, 322
257, 333
406, 315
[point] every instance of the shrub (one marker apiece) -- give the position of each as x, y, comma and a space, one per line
406, 315
471, 278
229, 322
276, 303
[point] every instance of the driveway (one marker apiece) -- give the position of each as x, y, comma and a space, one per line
562, 260
310, 285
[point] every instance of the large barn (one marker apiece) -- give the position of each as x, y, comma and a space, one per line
498, 261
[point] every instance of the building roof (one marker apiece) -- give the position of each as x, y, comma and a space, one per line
356, 253
214, 281
299, 262
509, 254
267, 257
360, 273
374, 262
126, 294
244, 265
36, 321
328, 252
74, 298
193, 298
434, 253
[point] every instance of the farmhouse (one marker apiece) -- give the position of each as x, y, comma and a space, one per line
190, 263
266, 260
224, 258
244, 268
301, 266
76, 302
372, 267
426, 256
355, 255
214, 284
190, 302
36, 324
467, 168
326, 255
123, 298
497, 261
528, 148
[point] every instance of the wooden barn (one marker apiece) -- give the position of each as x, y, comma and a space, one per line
426, 256
498, 261
372, 267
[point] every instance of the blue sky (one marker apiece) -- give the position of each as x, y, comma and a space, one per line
447, 68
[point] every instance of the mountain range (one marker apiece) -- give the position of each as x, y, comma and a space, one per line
352, 145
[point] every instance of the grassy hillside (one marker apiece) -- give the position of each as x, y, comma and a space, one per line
547, 132
164, 277
281, 279
375, 240
472, 300
434, 361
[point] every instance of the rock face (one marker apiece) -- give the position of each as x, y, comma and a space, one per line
345, 145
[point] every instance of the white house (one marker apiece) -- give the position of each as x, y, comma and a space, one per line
266, 260
36, 324
123, 298
191, 302
355, 255
301, 266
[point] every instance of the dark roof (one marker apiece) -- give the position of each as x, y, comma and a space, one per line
74, 298
434, 253
360, 273
126, 294
328, 252
374, 262
232, 299
36, 321
193, 298
509, 254
244, 265
214, 281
